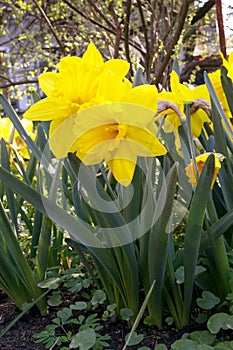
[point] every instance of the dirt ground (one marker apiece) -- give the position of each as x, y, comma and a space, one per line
19, 337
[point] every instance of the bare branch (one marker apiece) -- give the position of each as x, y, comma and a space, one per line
145, 33
118, 30
221, 32
109, 30
173, 41
109, 23
21, 82
203, 11
126, 32
49, 25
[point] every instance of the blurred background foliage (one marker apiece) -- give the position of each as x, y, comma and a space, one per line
150, 34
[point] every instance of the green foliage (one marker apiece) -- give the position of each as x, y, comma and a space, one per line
220, 321
135, 338
129, 249
84, 340
33, 41
208, 300
63, 331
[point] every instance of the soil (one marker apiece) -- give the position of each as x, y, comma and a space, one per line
19, 337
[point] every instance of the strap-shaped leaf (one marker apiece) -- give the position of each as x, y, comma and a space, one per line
193, 232
158, 245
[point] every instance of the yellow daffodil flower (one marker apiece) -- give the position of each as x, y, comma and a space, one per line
215, 78
97, 113
74, 86
9, 134
187, 94
179, 95
200, 161
116, 132
171, 105
228, 64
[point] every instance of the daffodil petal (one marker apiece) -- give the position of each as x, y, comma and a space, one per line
197, 121
61, 136
111, 87
144, 142
94, 144
119, 67
92, 56
183, 91
69, 82
116, 112
200, 92
47, 82
143, 95
200, 162
122, 169
50, 108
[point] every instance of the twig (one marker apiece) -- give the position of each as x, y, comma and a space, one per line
170, 47
144, 29
221, 33
2, 76
22, 82
49, 25
101, 14
118, 30
109, 30
126, 32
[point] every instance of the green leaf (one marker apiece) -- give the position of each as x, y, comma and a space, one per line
169, 320
225, 174
50, 209
160, 347
134, 338
111, 307
99, 297
184, 344
64, 314
158, 243
84, 340
79, 305
193, 232
55, 299
202, 337
201, 318
51, 283
126, 313
10, 195
208, 300
217, 321
224, 346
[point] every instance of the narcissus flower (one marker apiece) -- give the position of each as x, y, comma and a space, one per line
116, 133
228, 64
74, 87
96, 113
10, 135
200, 161
179, 96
